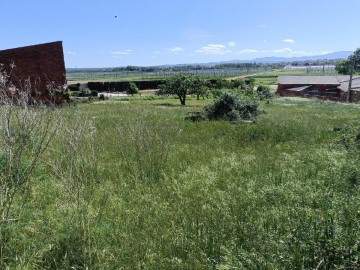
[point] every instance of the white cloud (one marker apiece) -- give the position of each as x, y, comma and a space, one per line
176, 50
232, 44
284, 50
289, 40
214, 49
248, 51
71, 53
120, 54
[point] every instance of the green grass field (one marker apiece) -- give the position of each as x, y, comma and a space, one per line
261, 78
129, 184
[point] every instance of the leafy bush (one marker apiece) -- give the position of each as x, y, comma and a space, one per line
239, 84
94, 93
263, 92
233, 107
217, 83
132, 89
85, 92
216, 93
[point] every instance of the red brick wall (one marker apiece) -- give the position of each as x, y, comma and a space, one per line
282, 91
43, 64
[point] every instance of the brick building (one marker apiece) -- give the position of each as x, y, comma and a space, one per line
40, 65
324, 87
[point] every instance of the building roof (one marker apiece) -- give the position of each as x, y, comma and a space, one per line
355, 84
312, 80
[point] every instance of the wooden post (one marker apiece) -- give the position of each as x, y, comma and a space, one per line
348, 96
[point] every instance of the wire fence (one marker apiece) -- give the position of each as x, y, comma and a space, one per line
162, 73
210, 72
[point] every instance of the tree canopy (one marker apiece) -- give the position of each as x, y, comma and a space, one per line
132, 89
182, 85
344, 66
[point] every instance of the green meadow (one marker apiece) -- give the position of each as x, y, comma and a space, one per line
130, 184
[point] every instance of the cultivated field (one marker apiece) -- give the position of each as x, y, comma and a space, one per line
127, 183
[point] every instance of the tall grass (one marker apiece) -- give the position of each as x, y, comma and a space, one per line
132, 185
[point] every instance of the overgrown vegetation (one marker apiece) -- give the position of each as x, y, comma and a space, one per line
26, 129
233, 107
123, 86
352, 63
133, 185
132, 89
264, 92
182, 85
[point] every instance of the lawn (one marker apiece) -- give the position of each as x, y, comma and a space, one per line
129, 184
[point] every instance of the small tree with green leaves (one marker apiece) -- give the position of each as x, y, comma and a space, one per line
344, 66
179, 85
132, 89
198, 87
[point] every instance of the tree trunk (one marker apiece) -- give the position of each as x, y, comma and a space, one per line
182, 99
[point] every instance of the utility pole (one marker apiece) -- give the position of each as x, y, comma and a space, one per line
348, 96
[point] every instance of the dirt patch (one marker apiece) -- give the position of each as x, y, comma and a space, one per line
149, 91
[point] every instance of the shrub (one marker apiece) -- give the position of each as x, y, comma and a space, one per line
218, 83
94, 93
238, 84
101, 97
85, 92
132, 89
232, 107
263, 92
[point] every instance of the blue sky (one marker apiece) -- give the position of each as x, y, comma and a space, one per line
111, 33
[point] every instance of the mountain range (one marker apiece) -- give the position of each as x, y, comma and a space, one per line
270, 60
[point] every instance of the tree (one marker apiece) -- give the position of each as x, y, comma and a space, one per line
344, 66
180, 85
132, 89
349, 66
198, 86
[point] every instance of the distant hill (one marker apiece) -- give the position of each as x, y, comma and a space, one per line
329, 56
270, 60
264, 60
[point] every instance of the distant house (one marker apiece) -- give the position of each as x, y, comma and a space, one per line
324, 87
41, 66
